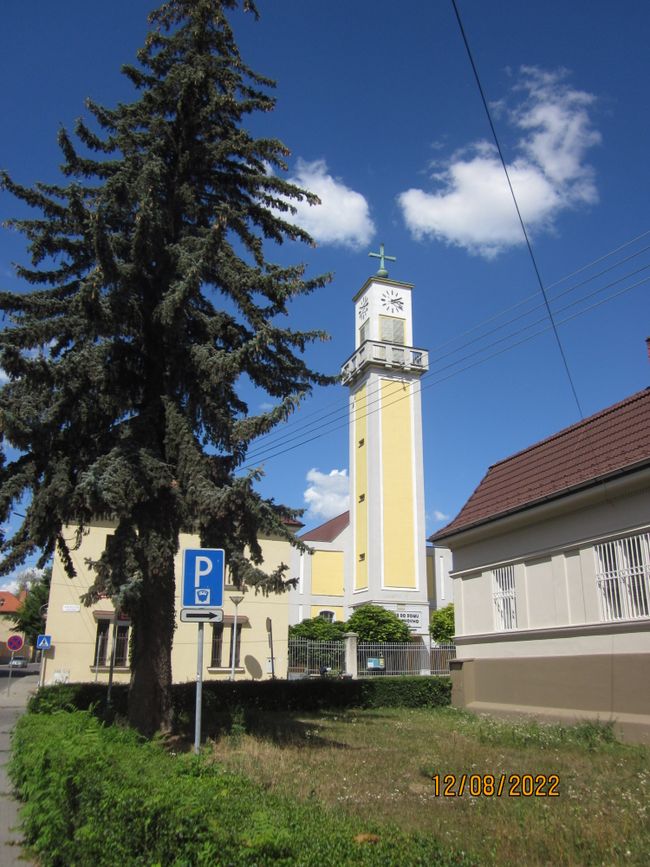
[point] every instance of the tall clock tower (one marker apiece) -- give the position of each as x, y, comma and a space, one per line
383, 374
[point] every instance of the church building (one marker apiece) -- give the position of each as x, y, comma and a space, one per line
376, 553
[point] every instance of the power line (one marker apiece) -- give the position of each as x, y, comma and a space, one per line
332, 427
342, 411
514, 199
275, 438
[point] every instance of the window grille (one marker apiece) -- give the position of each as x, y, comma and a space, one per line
122, 646
217, 645
327, 616
101, 642
391, 329
623, 577
505, 602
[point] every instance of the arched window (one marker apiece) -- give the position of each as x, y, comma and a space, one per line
327, 615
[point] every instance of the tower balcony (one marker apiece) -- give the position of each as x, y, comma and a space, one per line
390, 356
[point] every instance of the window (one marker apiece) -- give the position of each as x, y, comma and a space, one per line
505, 602
364, 331
217, 645
104, 638
328, 616
237, 644
391, 329
623, 577
101, 642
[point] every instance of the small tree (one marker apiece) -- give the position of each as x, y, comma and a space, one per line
318, 629
374, 623
442, 627
29, 617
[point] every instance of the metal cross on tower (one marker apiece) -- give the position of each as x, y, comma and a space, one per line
382, 272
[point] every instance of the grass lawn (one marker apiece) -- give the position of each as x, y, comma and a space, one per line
380, 764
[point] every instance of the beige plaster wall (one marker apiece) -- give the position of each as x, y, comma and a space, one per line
73, 626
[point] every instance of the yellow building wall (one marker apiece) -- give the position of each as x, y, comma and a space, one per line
337, 609
73, 627
397, 480
361, 494
327, 573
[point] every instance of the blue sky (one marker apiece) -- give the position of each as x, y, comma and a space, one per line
378, 104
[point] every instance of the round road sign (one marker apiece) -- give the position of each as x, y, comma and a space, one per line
15, 643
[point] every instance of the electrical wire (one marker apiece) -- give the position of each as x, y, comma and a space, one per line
275, 438
548, 327
520, 218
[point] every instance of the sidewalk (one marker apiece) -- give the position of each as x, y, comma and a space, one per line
11, 707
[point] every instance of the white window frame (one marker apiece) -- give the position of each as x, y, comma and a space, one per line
327, 615
504, 597
623, 577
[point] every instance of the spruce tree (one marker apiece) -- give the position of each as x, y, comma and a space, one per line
150, 298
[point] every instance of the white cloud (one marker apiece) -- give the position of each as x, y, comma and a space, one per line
472, 206
26, 577
327, 494
342, 218
439, 516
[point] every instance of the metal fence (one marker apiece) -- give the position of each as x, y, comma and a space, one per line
403, 658
308, 658
312, 658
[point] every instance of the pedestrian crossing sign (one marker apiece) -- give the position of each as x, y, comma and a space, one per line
44, 642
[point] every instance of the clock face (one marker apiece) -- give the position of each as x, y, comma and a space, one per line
392, 301
363, 309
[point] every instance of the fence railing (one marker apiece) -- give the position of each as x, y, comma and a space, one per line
308, 658
403, 658
311, 658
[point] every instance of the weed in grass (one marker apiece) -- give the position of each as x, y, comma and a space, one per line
380, 762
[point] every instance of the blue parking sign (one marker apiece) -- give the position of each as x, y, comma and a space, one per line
203, 575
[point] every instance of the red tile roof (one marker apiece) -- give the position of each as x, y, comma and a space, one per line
328, 531
9, 603
606, 444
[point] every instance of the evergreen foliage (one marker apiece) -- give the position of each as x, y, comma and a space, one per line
29, 618
374, 623
151, 300
442, 625
318, 629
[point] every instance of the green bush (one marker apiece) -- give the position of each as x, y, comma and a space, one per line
99, 795
318, 629
223, 698
374, 623
442, 626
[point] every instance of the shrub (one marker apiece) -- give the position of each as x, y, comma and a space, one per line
442, 626
223, 701
318, 629
101, 796
374, 623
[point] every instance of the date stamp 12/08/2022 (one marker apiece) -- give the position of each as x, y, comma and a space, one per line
496, 785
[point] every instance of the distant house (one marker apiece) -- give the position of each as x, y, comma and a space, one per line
552, 576
9, 604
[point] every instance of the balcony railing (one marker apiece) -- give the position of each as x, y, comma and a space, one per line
388, 355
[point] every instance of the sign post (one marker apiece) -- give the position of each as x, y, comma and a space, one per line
203, 575
269, 629
43, 643
14, 643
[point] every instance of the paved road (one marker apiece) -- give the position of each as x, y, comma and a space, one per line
12, 705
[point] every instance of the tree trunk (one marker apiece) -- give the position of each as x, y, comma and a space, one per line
150, 705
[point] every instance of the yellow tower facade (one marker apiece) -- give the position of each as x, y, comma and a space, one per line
387, 562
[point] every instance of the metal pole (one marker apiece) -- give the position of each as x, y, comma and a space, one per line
41, 677
199, 690
269, 629
10, 670
100, 639
235, 601
233, 649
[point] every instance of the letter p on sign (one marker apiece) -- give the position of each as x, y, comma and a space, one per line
203, 573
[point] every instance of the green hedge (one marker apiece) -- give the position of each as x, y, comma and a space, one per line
221, 698
99, 796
